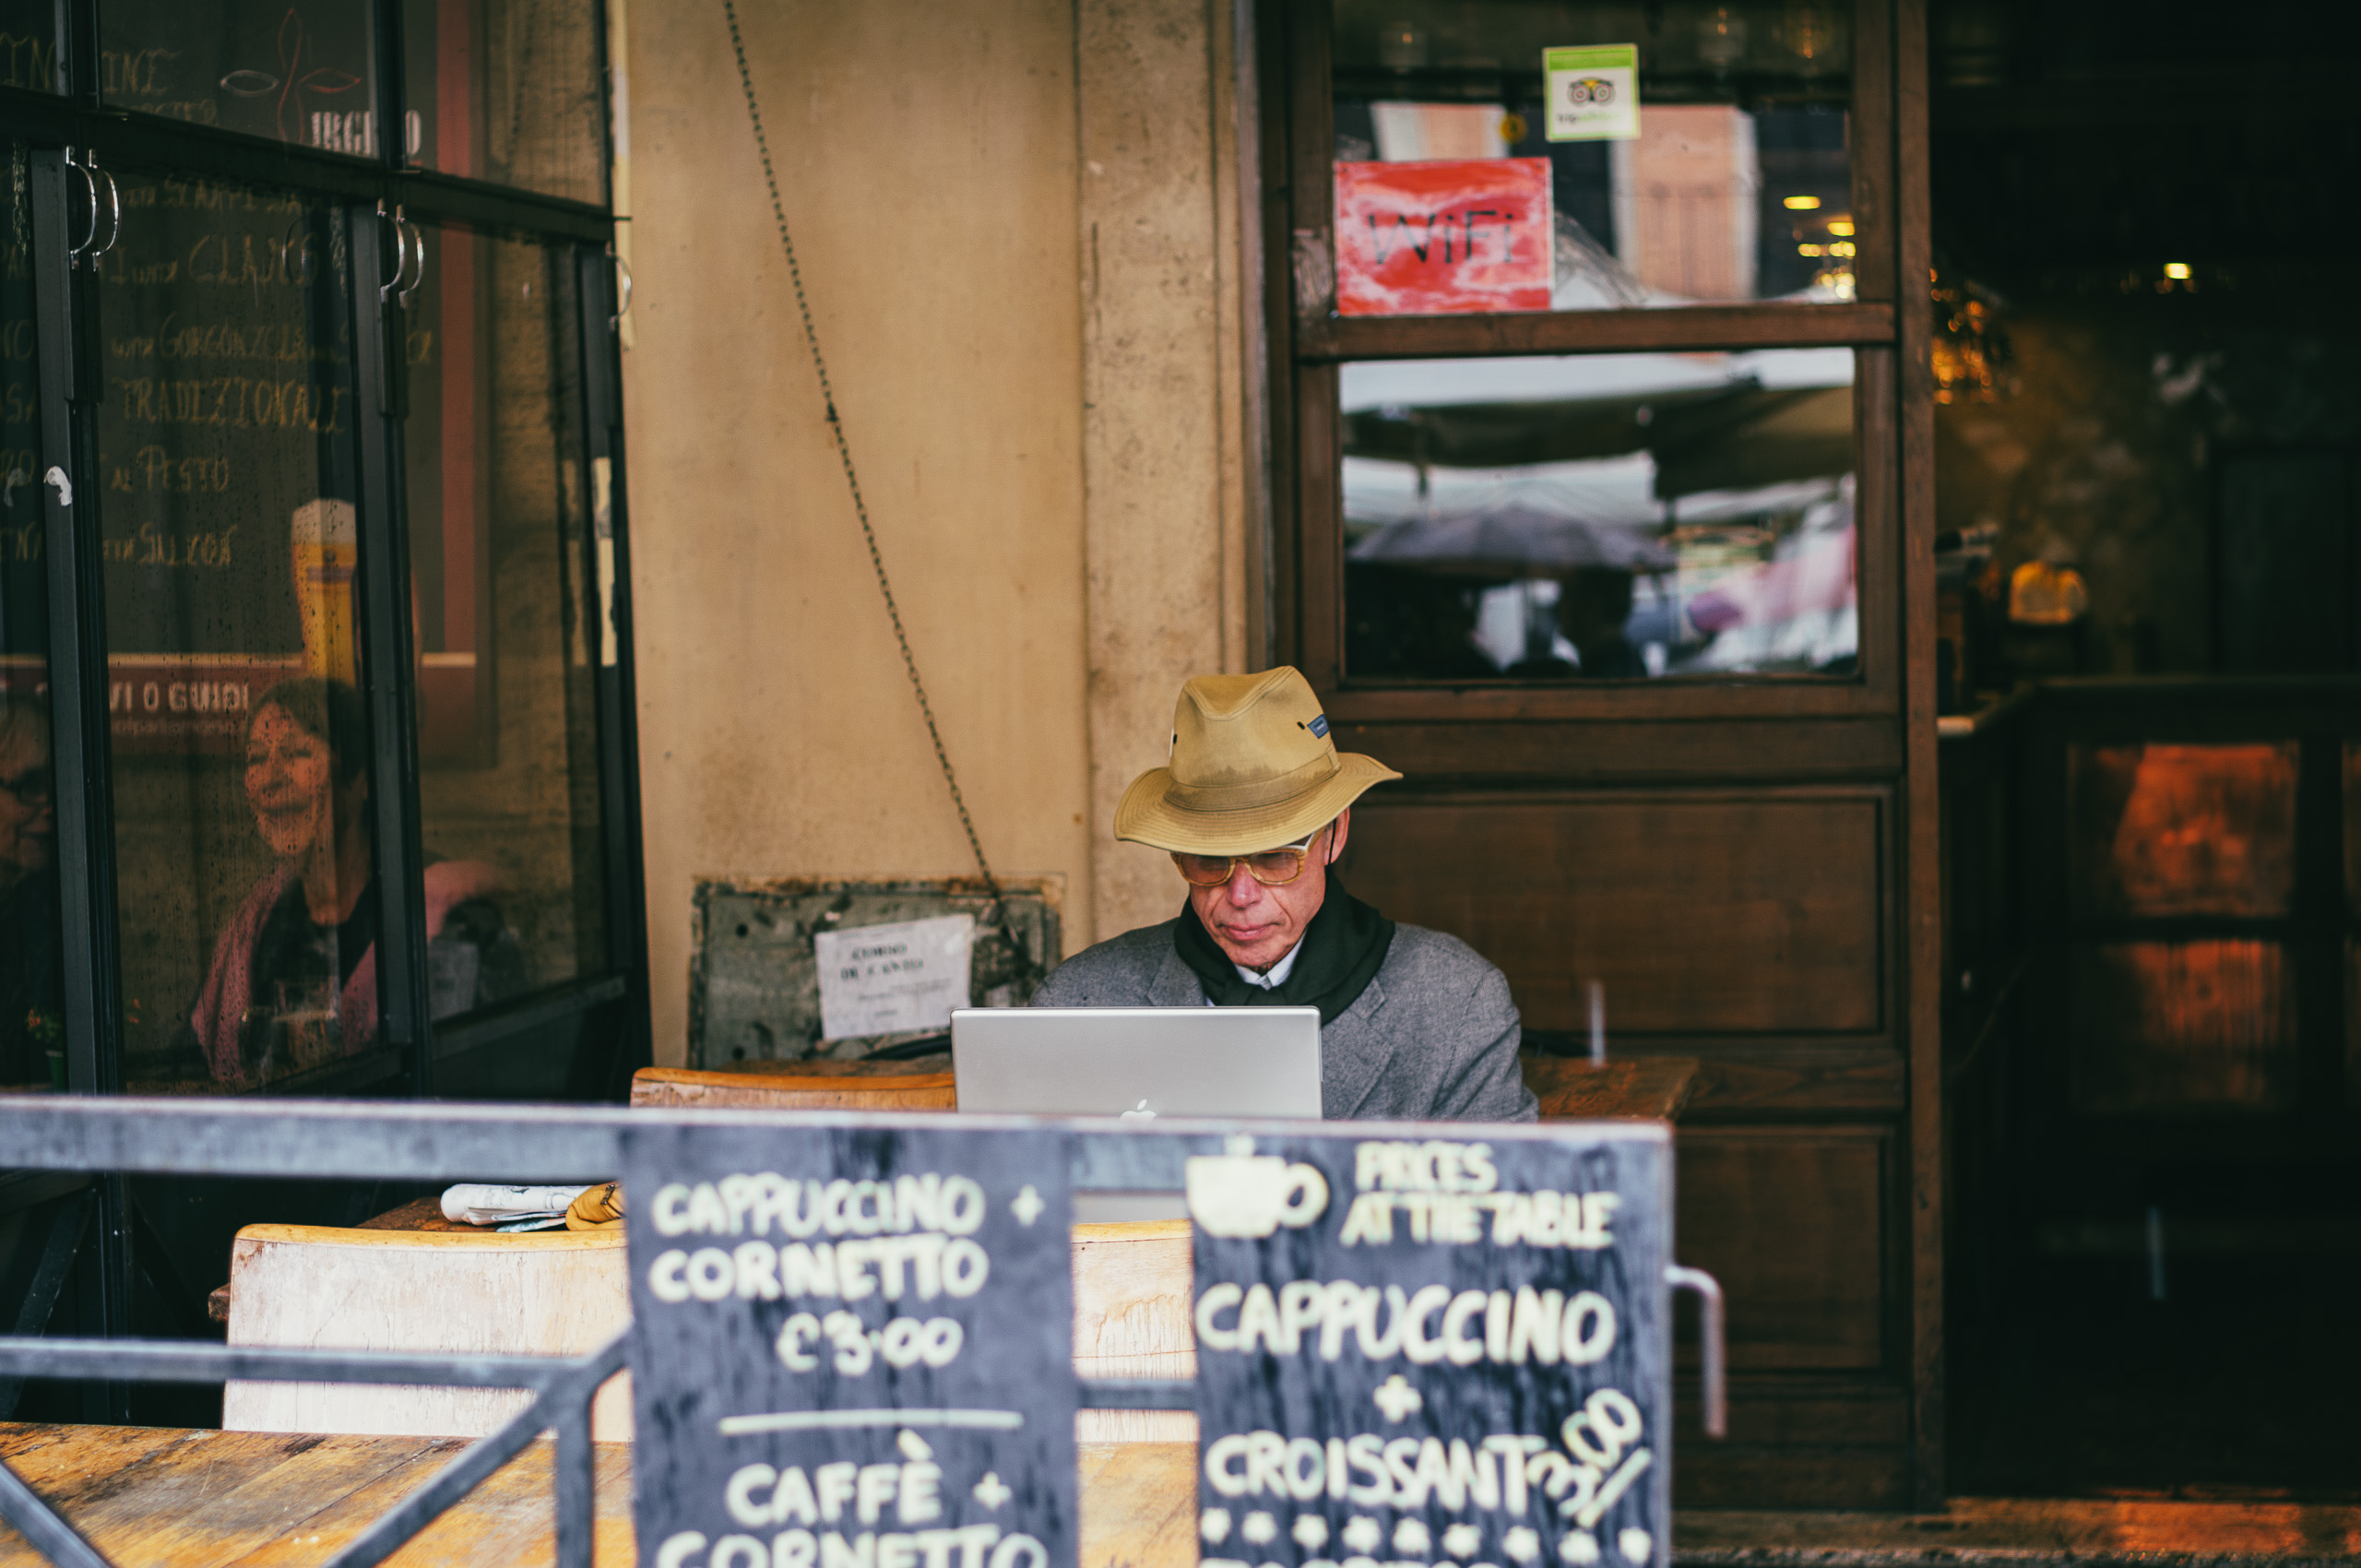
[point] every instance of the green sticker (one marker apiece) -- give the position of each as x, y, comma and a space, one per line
1593, 92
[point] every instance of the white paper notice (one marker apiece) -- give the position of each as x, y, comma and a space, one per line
877, 980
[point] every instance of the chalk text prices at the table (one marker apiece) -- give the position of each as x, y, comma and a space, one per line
909, 1239
842, 1243
1331, 1495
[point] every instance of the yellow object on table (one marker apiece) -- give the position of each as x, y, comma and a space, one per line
595, 1208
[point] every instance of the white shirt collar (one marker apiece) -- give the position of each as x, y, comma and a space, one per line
1279, 971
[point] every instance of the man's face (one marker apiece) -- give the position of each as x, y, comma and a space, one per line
1256, 925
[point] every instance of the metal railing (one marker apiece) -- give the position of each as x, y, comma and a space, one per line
362, 1140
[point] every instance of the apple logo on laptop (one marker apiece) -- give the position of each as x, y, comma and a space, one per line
1139, 1112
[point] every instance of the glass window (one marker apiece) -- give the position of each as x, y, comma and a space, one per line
499, 551
246, 864
1731, 181
29, 46
1599, 517
32, 980
508, 90
297, 71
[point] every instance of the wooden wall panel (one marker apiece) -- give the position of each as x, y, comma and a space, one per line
1702, 914
1792, 1223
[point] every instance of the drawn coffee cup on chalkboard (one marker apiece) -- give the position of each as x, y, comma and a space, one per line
1247, 1197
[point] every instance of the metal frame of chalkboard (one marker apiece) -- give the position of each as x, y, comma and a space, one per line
452, 1142
587, 1035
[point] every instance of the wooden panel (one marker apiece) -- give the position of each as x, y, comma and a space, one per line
1708, 1476
2165, 1028
1705, 914
1818, 1083
1629, 747
1792, 1223
1574, 332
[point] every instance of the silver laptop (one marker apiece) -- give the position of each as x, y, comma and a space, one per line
1138, 1062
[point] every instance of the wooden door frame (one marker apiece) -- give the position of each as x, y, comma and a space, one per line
1877, 726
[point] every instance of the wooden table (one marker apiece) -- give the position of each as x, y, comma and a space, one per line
921, 1084
177, 1498
202, 1499
1568, 1086
1570, 1089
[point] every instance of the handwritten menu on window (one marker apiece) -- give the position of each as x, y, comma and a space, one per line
855, 1345
1433, 238
1433, 1352
228, 470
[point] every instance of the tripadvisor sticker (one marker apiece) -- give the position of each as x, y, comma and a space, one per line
1593, 92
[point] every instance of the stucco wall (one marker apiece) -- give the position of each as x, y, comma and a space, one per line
938, 166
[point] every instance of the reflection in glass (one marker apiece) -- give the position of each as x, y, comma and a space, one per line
2183, 1028
506, 707
29, 46
2164, 830
1599, 517
297, 71
32, 981
1738, 188
32, 977
229, 475
508, 90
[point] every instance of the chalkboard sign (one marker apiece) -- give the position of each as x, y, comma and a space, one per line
853, 1347
1434, 1350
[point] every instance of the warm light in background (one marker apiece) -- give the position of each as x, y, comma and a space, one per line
1802, 204
2177, 269
1840, 227
1812, 250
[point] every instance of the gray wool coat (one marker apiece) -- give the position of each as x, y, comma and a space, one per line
1434, 1037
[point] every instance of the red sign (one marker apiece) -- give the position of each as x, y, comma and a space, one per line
1425, 239
172, 702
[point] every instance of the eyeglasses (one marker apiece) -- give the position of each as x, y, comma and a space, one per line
1271, 868
32, 784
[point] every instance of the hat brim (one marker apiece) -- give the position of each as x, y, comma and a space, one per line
1147, 815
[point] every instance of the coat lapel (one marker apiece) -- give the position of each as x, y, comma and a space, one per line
1354, 1053
1175, 984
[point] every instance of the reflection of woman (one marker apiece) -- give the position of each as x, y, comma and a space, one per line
32, 980
294, 976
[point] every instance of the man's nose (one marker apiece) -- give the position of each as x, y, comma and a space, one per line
1243, 888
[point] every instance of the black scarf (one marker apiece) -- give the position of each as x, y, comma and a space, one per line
1340, 954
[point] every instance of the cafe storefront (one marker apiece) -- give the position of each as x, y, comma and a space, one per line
315, 649
1858, 582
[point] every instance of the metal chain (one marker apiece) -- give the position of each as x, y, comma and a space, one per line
1026, 968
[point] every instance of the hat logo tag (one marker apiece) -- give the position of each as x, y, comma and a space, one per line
1319, 724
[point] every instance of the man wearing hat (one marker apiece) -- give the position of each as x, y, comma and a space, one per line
1254, 809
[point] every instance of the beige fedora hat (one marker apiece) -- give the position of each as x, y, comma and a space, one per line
1252, 768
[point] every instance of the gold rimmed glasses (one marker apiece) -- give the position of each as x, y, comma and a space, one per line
1271, 868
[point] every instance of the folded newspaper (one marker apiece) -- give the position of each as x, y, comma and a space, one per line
480, 1202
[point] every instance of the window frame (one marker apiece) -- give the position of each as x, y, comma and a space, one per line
608, 1004
1308, 340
